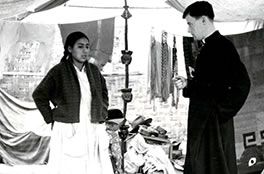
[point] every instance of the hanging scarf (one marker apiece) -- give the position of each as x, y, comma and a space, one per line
164, 66
175, 92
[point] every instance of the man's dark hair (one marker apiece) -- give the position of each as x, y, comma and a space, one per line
198, 9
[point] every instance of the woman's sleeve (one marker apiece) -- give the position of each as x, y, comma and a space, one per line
105, 96
42, 97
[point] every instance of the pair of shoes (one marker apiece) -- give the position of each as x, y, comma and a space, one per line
144, 131
161, 130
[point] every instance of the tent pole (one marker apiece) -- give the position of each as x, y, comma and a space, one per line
126, 92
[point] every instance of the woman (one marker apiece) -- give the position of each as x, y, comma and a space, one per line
79, 96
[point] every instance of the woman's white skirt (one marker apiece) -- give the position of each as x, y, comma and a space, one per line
79, 148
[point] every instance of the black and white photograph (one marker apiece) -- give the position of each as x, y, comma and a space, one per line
131, 87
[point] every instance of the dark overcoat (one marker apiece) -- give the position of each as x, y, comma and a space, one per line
217, 92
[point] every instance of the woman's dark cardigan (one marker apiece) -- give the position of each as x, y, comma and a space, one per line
61, 87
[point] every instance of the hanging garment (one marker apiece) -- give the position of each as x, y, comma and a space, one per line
153, 68
160, 68
165, 67
174, 91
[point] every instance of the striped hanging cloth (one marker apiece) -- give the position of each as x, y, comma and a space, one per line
174, 91
153, 68
164, 66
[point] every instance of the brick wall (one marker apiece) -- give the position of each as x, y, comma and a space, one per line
162, 113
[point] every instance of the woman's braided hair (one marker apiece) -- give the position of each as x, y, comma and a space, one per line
70, 41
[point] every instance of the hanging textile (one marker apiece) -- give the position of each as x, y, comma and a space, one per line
174, 91
153, 65
160, 66
100, 34
22, 140
155, 70
165, 67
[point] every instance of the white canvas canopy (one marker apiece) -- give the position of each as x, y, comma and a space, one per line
13, 9
229, 10
226, 10
232, 16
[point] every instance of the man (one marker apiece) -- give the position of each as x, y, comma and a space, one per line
217, 91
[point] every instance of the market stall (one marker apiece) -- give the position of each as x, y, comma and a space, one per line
159, 45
